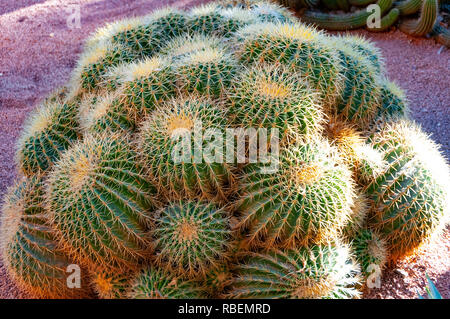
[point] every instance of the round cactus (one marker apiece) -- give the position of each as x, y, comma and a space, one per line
273, 97
107, 221
366, 48
393, 101
206, 19
153, 283
175, 154
107, 112
359, 100
217, 279
110, 284
187, 44
410, 199
370, 251
191, 237
148, 82
325, 271
236, 18
49, 131
168, 23
267, 11
206, 72
358, 217
30, 253
300, 47
308, 199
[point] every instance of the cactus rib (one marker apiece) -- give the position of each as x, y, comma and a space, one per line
425, 23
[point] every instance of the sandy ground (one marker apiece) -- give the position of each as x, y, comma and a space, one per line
38, 52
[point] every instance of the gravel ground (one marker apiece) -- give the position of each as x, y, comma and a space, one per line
38, 52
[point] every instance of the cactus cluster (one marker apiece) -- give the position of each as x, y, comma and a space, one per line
357, 13
151, 173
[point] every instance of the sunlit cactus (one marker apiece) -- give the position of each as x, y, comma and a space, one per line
236, 18
184, 45
267, 11
171, 143
297, 46
370, 251
107, 220
325, 271
209, 71
206, 19
308, 199
191, 237
147, 82
49, 131
273, 97
410, 200
168, 23
358, 217
393, 100
365, 48
29, 250
154, 283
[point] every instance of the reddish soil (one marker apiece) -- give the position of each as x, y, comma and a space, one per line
38, 52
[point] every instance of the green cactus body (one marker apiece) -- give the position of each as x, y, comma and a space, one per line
148, 82
152, 283
29, 249
191, 237
366, 48
185, 45
343, 5
324, 271
358, 217
408, 7
171, 143
107, 112
308, 199
393, 100
109, 283
297, 46
168, 23
206, 20
410, 199
95, 64
360, 98
49, 131
425, 23
370, 251
387, 21
342, 22
272, 97
330, 4
107, 220
217, 280
206, 72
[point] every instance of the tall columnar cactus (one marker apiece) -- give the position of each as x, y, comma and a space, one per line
346, 21
370, 251
410, 200
99, 202
49, 131
425, 23
153, 283
297, 46
273, 97
191, 237
148, 82
364, 47
206, 72
408, 7
386, 22
325, 271
28, 247
308, 199
360, 98
176, 154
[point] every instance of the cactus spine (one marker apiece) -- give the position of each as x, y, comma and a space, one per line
370, 251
